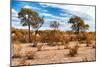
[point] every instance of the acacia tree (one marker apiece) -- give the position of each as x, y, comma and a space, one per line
55, 25
78, 25
36, 23
25, 15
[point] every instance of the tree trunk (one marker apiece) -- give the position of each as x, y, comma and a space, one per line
55, 37
29, 32
87, 44
78, 36
35, 41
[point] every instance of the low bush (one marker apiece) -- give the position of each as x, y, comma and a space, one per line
85, 59
66, 47
16, 51
30, 55
39, 47
94, 46
73, 51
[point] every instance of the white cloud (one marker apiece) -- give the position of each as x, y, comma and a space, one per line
35, 8
45, 10
48, 4
54, 17
46, 14
89, 10
31, 7
26, 6
14, 12
14, 19
85, 10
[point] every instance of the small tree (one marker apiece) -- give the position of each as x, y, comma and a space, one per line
78, 25
55, 26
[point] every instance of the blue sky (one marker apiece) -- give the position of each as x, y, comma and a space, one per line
51, 12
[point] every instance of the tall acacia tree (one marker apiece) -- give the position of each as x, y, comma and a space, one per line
78, 25
25, 15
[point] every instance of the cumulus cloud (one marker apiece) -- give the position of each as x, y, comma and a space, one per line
14, 19
74, 9
26, 6
14, 12
31, 7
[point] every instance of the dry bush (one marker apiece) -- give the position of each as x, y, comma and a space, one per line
90, 37
88, 41
73, 51
30, 55
93, 46
20, 35
63, 43
16, 51
73, 37
23, 62
52, 44
87, 37
66, 47
84, 59
39, 47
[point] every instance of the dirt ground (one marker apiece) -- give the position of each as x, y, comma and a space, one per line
49, 54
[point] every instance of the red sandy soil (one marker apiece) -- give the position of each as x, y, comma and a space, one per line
50, 54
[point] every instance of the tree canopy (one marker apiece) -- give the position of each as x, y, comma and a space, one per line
78, 24
54, 24
25, 15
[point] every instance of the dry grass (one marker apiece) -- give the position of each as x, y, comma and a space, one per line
16, 51
20, 52
30, 55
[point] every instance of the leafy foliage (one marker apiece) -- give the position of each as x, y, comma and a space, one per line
30, 18
78, 24
54, 24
